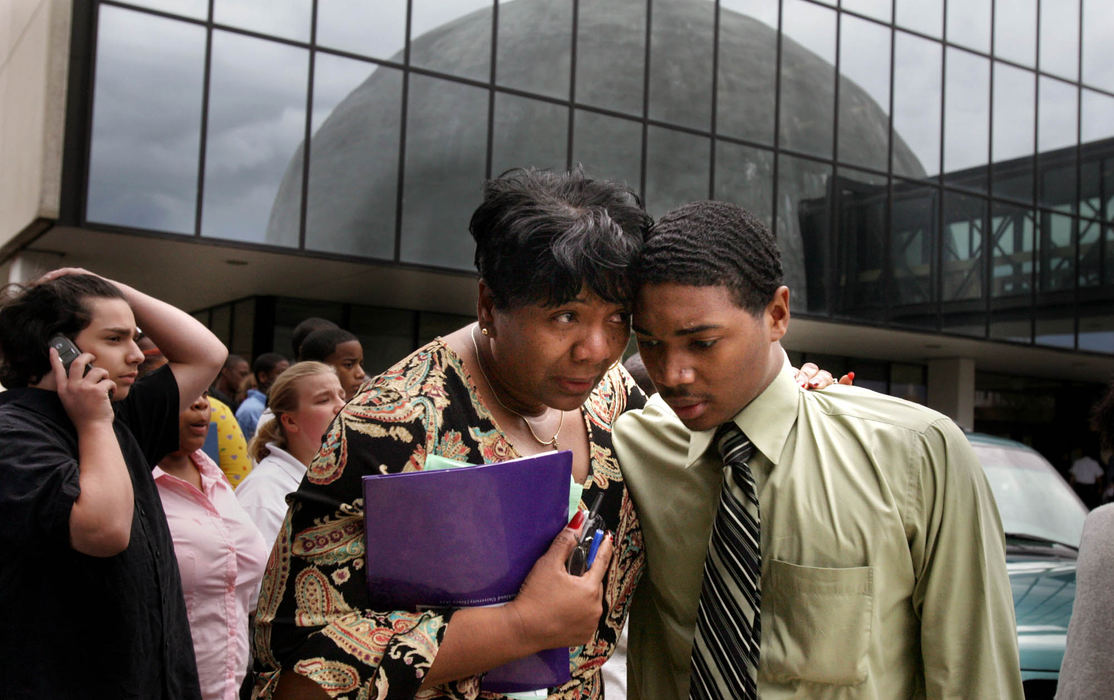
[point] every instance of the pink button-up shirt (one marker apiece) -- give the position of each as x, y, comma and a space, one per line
221, 557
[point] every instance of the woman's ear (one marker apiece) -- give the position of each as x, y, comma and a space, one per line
289, 425
485, 308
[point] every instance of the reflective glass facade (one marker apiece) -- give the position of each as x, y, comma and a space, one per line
927, 165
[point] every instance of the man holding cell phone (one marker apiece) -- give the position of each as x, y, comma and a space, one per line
89, 583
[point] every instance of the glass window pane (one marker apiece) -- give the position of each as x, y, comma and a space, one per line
1090, 253
257, 111
1012, 241
542, 144
677, 169
859, 255
1015, 31
353, 167
1056, 129
864, 93
745, 176
611, 54
1059, 46
196, 9
912, 254
969, 24
963, 239
924, 16
1056, 327
1097, 153
432, 325
1098, 37
1014, 129
879, 9
681, 44
909, 382
1057, 252
386, 334
445, 161
288, 19
146, 130
289, 312
803, 214
1011, 251
376, 29
966, 119
918, 84
747, 69
452, 37
608, 147
807, 77
1096, 333
534, 47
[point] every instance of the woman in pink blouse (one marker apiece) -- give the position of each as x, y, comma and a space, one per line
221, 556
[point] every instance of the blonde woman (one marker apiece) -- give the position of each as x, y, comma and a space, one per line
304, 399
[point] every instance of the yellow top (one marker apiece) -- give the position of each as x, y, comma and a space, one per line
231, 448
883, 557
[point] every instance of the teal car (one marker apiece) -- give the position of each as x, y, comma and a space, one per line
1043, 520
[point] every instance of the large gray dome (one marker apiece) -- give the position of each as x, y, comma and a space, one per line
354, 168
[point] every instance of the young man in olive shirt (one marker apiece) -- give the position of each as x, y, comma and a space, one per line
882, 567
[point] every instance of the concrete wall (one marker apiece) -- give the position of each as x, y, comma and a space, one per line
34, 61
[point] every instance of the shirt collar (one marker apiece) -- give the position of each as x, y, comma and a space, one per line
766, 420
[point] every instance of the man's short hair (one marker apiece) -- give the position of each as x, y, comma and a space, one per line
322, 343
302, 331
265, 363
713, 243
231, 361
542, 236
31, 316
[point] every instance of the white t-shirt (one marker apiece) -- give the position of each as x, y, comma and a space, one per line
263, 491
1086, 470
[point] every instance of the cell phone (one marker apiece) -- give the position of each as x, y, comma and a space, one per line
67, 351
582, 555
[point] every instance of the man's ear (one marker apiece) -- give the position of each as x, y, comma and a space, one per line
777, 313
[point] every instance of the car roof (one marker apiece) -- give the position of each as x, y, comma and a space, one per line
984, 439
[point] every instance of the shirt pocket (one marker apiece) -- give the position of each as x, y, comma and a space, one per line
816, 623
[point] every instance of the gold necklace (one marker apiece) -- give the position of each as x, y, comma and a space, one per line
551, 442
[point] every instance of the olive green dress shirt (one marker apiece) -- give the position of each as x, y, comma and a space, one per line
883, 558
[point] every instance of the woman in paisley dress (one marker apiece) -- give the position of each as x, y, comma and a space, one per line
539, 370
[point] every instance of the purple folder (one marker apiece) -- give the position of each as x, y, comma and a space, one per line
468, 536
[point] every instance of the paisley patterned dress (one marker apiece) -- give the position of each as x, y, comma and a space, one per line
313, 615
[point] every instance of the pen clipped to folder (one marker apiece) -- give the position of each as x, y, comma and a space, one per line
589, 538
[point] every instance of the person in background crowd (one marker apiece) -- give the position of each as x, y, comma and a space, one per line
304, 399
220, 555
1086, 476
265, 370
342, 351
303, 329
1088, 654
225, 444
228, 382
92, 598
152, 356
835, 544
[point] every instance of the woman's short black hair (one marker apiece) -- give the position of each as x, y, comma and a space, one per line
31, 316
323, 342
711, 244
542, 236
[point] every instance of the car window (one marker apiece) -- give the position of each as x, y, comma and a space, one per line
1032, 497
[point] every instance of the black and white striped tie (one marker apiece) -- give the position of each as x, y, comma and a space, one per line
725, 652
